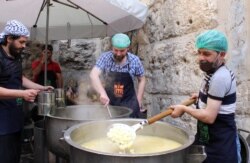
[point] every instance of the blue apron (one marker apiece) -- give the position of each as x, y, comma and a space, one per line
218, 138
121, 92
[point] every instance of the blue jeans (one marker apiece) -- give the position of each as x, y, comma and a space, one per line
238, 148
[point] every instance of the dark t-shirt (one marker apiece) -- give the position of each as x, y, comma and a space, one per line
11, 115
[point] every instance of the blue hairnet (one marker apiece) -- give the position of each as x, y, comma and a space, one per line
120, 40
212, 40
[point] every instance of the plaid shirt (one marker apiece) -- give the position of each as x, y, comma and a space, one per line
133, 65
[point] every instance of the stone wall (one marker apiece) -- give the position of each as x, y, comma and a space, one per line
172, 71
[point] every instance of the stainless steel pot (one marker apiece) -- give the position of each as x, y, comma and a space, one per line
58, 120
83, 132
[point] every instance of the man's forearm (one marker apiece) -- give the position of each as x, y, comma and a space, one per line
96, 82
59, 80
141, 87
10, 93
59, 83
97, 85
29, 84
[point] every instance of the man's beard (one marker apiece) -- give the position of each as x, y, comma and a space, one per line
210, 67
119, 58
15, 52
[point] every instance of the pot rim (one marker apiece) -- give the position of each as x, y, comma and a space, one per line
72, 143
50, 114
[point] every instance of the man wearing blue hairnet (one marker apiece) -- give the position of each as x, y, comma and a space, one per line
13, 40
216, 104
120, 69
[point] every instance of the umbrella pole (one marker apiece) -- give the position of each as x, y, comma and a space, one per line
46, 43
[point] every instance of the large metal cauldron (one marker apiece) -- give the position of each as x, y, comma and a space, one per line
61, 119
80, 133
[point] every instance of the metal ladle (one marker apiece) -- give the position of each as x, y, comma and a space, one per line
110, 115
130, 131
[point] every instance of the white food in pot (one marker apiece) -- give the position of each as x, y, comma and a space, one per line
142, 145
122, 135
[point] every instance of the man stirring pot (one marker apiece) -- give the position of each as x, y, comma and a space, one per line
216, 128
120, 68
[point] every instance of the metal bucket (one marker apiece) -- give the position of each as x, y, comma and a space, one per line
60, 120
59, 98
83, 132
46, 102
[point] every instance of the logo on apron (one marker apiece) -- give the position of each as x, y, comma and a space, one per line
19, 101
118, 90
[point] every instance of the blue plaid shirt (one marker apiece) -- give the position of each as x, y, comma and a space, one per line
133, 65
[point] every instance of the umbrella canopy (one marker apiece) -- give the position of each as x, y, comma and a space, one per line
74, 19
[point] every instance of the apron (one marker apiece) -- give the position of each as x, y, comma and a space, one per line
51, 78
120, 90
218, 138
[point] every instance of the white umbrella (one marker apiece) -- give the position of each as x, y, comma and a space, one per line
74, 19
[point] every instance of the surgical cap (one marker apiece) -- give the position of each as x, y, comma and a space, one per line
14, 27
120, 41
212, 40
